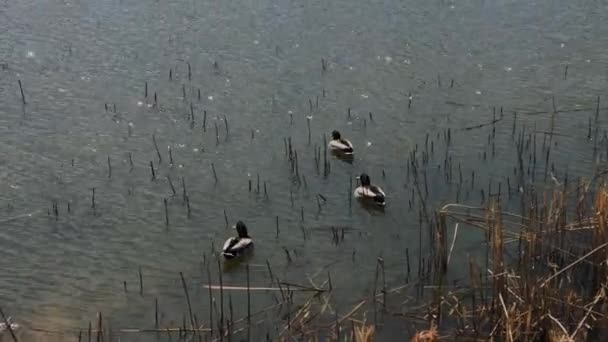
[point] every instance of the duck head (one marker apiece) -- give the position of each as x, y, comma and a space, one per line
365, 181
336, 135
241, 229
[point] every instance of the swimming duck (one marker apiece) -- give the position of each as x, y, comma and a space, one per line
236, 246
369, 191
3, 327
337, 144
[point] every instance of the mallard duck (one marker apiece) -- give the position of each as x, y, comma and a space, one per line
236, 246
368, 191
338, 144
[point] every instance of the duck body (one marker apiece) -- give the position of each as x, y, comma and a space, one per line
339, 144
235, 247
368, 191
373, 193
239, 245
342, 146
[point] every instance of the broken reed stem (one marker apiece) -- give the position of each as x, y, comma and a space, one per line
248, 305
130, 162
325, 171
227, 129
109, 168
189, 211
22, 94
188, 301
152, 170
214, 173
184, 192
210, 302
156, 313
308, 125
204, 121
99, 327
217, 134
160, 158
229, 321
166, 212
221, 322
6, 322
141, 283
350, 192
171, 185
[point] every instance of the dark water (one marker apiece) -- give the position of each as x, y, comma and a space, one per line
459, 60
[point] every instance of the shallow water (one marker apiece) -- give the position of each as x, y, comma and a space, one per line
459, 60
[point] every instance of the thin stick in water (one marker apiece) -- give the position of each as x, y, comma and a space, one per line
22, 94
221, 323
189, 211
130, 162
181, 275
166, 212
160, 158
184, 192
248, 305
109, 168
171, 185
227, 129
156, 313
141, 283
152, 170
204, 121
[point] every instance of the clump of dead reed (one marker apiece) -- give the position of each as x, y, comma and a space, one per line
546, 273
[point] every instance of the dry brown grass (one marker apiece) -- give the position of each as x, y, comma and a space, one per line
364, 333
430, 335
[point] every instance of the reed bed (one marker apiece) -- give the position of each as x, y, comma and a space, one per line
545, 279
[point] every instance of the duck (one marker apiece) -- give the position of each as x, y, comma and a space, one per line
4, 327
237, 246
340, 145
368, 191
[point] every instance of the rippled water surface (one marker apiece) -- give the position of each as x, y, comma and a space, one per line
258, 67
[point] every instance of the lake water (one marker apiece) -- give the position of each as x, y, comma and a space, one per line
258, 66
